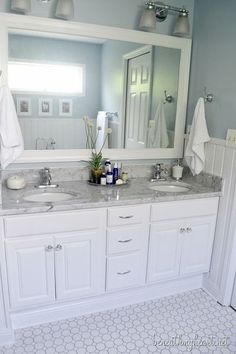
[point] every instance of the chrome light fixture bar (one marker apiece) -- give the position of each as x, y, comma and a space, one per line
158, 11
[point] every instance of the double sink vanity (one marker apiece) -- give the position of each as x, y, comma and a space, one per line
104, 245
77, 248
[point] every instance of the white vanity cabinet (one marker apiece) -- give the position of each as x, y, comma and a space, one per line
127, 246
181, 238
43, 266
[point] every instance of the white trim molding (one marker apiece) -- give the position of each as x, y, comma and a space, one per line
11, 23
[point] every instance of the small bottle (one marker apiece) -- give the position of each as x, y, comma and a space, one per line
103, 179
107, 164
109, 175
115, 173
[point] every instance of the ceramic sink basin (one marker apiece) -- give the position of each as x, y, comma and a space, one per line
48, 197
170, 187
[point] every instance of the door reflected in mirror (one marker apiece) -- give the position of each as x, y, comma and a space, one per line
57, 81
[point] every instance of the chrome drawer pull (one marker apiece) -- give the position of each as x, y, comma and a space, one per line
49, 248
124, 273
125, 241
126, 217
189, 229
58, 248
182, 230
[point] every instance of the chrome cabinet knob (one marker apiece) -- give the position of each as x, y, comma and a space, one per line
58, 248
189, 229
182, 230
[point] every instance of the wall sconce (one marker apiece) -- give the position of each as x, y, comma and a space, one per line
157, 11
22, 6
65, 9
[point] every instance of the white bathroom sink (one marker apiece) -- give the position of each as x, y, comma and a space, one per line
170, 187
48, 197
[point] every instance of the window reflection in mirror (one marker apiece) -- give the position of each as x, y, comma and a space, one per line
126, 80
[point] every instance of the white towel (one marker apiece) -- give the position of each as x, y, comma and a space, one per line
102, 124
195, 150
12, 144
158, 135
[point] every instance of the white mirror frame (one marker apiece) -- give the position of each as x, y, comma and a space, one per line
11, 22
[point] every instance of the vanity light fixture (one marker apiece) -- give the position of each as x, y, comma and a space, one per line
158, 11
22, 6
65, 9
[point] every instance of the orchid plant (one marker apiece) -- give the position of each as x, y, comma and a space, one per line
92, 135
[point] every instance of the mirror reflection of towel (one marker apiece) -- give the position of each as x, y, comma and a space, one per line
157, 132
102, 124
12, 144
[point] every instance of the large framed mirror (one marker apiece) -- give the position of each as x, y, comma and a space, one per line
133, 82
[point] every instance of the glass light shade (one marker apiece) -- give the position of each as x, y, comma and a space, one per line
65, 9
148, 20
182, 27
22, 6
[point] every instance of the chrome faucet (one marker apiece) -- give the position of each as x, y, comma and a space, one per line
157, 175
46, 179
46, 176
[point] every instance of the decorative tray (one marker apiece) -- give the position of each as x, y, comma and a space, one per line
107, 185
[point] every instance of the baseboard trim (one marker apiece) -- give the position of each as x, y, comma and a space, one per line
103, 302
7, 337
210, 287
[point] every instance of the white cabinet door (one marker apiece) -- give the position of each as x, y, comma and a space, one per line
30, 266
197, 245
164, 252
80, 264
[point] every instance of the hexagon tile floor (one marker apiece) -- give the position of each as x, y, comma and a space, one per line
191, 322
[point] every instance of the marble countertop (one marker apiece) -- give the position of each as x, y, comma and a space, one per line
87, 196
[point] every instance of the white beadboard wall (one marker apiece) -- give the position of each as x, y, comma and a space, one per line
221, 161
68, 133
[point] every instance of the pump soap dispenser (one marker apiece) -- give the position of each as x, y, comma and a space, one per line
177, 171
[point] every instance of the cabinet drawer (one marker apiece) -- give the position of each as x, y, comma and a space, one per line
128, 215
54, 223
125, 271
184, 209
130, 238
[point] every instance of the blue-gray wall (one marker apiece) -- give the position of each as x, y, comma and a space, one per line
118, 13
214, 63
56, 50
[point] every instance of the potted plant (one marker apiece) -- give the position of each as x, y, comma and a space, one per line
96, 159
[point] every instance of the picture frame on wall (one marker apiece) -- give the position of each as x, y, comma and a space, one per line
45, 107
65, 107
23, 106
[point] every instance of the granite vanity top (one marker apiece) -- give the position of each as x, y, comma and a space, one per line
87, 196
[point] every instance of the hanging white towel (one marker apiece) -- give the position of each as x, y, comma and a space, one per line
102, 125
195, 150
158, 135
12, 144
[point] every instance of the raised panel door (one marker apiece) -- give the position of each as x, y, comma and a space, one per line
30, 267
80, 264
164, 252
